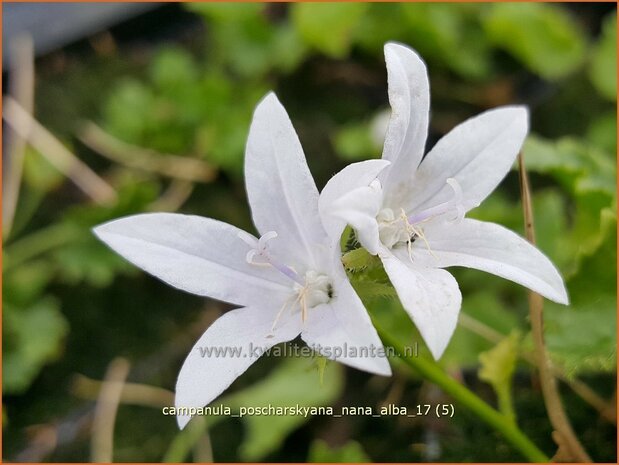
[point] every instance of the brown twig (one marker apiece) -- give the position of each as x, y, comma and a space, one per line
21, 87
24, 124
174, 166
174, 196
568, 441
203, 450
102, 441
130, 393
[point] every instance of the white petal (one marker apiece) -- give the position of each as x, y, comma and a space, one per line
477, 153
409, 96
342, 326
195, 254
430, 296
349, 198
494, 249
281, 191
227, 348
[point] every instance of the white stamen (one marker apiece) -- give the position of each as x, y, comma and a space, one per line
405, 229
316, 290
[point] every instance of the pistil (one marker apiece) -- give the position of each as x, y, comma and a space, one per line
454, 203
259, 250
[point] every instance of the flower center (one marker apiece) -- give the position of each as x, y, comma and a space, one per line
391, 228
311, 290
316, 291
404, 229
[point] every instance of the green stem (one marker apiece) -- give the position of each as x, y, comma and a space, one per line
432, 372
506, 404
187, 439
37, 243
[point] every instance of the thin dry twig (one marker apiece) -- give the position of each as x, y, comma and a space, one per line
102, 441
130, 393
174, 166
568, 442
174, 196
21, 87
24, 124
203, 450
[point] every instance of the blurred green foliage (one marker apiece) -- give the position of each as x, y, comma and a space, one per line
542, 36
294, 381
497, 367
195, 99
351, 452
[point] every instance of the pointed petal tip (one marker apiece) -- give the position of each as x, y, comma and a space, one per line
103, 230
395, 47
437, 350
515, 112
96, 230
270, 100
268, 103
181, 421
561, 296
401, 50
270, 95
392, 46
384, 370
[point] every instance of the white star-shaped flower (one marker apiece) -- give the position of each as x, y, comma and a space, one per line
290, 281
412, 215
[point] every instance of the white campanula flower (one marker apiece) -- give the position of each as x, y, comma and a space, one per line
290, 281
412, 215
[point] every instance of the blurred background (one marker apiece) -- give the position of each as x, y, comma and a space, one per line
116, 109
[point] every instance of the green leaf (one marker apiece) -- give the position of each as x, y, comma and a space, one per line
359, 259
497, 368
32, 336
580, 166
389, 315
354, 142
582, 337
172, 67
295, 381
603, 132
90, 261
603, 69
498, 208
85, 258
380, 25
543, 36
450, 35
589, 176
594, 276
368, 289
483, 316
328, 27
24, 284
227, 12
350, 452
128, 110
287, 49
551, 225
39, 173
